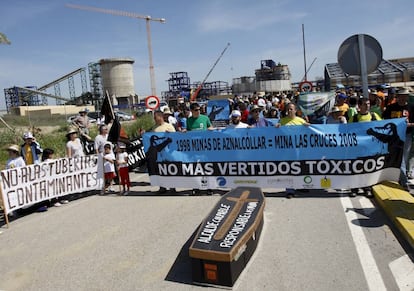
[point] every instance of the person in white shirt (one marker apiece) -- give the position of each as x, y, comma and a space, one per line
15, 159
235, 120
101, 138
122, 163
109, 166
74, 147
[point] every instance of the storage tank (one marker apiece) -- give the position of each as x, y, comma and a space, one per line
117, 76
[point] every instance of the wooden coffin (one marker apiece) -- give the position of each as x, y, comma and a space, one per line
227, 237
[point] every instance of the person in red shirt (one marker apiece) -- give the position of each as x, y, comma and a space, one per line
244, 112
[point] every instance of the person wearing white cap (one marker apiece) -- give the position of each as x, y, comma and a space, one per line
235, 120
30, 149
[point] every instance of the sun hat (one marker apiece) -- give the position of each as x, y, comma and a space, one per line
255, 107
167, 110
71, 130
27, 135
84, 110
14, 148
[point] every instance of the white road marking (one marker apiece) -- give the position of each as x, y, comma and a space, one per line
367, 205
369, 266
403, 271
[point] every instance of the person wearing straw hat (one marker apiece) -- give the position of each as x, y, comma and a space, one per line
82, 121
15, 159
255, 120
74, 146
402, 109
335, 116
169, 117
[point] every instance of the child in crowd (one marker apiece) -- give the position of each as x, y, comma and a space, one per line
109, 167
47, 156
15, 159
122, 162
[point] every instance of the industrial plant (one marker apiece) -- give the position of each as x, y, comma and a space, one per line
115, 77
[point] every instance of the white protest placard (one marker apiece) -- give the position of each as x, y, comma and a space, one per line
25, 186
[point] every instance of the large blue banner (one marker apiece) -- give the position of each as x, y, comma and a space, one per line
316, 156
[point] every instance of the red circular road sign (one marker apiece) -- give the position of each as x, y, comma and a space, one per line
305, 86
152, 102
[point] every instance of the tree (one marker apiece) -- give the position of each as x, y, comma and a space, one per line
3, 39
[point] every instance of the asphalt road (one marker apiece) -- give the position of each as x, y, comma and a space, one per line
314, 241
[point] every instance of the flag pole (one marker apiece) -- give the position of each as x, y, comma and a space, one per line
110, 103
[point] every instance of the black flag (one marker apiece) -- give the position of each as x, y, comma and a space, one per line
106, 110
115, 131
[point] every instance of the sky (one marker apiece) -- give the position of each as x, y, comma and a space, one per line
49, 40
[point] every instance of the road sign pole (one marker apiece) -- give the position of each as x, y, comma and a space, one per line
363, 63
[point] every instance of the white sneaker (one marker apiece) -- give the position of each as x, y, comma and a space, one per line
64, 201
57, 204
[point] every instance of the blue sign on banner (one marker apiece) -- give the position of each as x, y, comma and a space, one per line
218, 111
316, 156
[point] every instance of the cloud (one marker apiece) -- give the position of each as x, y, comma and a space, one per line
248, 16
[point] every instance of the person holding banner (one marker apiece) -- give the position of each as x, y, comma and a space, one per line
255, 119
198, 121
291, 119
364, 115
47, 156
397, 110
15, 160
160, 126
335, 116
235, 120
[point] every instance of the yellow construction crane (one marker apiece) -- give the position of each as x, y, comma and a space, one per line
147, 18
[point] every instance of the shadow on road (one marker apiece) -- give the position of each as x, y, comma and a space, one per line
180, 271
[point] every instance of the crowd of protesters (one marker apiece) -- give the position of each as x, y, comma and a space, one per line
350, 106
245, 112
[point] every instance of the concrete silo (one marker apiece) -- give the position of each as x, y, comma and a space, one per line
118, 79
